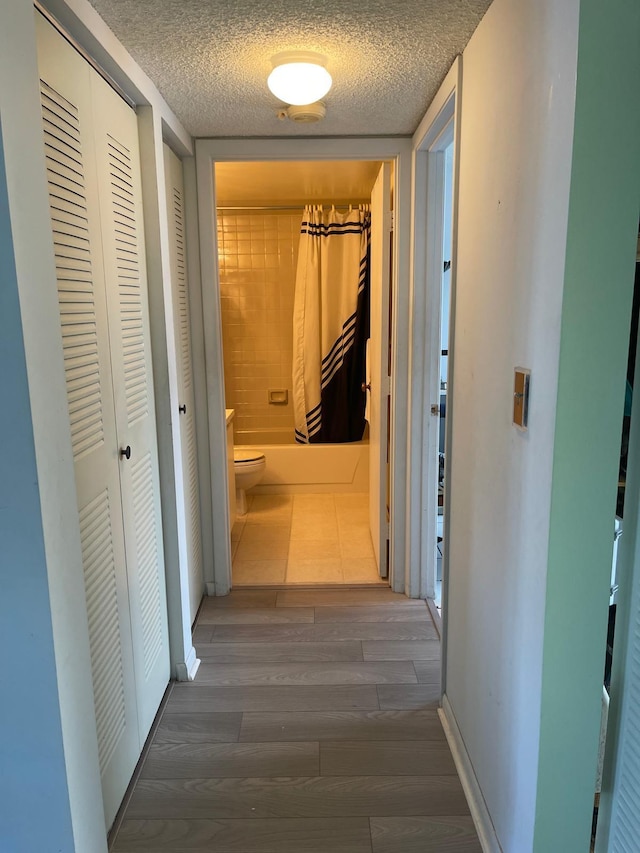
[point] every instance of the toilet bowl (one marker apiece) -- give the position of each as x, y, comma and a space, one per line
248, 466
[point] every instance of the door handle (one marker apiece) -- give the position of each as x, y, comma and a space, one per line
125, 452
182, 409
366, 386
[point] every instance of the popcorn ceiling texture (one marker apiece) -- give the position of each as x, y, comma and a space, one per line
210, 60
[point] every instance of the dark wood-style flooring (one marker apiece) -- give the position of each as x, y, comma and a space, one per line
312, 727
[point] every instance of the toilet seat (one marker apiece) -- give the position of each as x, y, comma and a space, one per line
246, 458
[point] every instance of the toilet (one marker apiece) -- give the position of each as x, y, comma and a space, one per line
248, 465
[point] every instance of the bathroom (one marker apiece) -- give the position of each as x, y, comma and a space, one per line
309, 513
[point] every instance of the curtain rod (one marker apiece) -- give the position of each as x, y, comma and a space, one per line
288, 206
258, 207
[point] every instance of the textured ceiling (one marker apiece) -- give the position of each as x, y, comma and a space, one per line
210, 58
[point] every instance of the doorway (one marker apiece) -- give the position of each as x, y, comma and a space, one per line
305, 511
445, 164
216, 476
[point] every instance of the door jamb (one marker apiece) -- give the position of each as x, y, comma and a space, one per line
426, 273
210, 151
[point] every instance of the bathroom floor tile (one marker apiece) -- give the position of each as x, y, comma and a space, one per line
266, 549
258, 571
314, 571
314, 549
349, 500
304, 539
319, 503
359, 570
314, 527
270, 509
356, 543
275, 532
354, 517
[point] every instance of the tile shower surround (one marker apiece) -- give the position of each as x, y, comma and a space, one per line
258, 253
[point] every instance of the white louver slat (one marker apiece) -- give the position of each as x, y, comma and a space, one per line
180, 288
147, 560
196, 568
183, 294
104, 629
126, 244
72, 246
120, 192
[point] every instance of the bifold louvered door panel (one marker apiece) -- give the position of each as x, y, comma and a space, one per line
120, 197
75, 220
180, 291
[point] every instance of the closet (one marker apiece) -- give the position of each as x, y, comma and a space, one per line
93, 172
180, 294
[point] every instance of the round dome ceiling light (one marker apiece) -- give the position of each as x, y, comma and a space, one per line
299, 77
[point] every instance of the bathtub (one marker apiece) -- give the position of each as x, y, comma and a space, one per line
298, 468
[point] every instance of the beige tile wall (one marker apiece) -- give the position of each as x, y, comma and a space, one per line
258, 256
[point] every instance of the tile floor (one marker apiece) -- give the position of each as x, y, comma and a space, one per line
304, 539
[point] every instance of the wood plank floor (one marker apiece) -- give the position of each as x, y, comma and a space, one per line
312, 727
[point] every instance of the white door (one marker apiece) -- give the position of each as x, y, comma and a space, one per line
180, 291
120, 196
71, 173
378, 374
93, 173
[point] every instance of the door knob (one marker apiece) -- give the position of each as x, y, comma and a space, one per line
183, 409
366, 386
125, 452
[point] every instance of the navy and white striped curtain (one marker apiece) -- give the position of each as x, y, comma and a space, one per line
331, 325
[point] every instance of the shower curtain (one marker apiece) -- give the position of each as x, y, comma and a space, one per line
331, 325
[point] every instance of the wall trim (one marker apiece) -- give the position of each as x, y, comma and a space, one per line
396, 149
435, 615
186, 671
426, 271
479, 811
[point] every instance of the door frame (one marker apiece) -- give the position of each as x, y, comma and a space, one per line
429, 141
210, 151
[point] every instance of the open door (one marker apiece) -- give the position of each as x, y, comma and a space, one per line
378, 367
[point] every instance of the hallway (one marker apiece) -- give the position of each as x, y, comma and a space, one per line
312, 726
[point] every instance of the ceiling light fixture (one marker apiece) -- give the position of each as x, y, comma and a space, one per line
299, 77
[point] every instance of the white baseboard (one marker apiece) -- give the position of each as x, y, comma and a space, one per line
435, 615
187, 671
479, 812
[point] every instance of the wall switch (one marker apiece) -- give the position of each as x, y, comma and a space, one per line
521, 385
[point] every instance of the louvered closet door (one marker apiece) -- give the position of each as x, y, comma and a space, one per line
180, 291
71, 174
119, 190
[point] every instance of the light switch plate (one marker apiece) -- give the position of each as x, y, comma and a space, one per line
521, 386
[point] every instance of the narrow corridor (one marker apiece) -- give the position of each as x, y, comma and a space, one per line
312, 726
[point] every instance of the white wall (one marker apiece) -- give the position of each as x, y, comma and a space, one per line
517, 124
